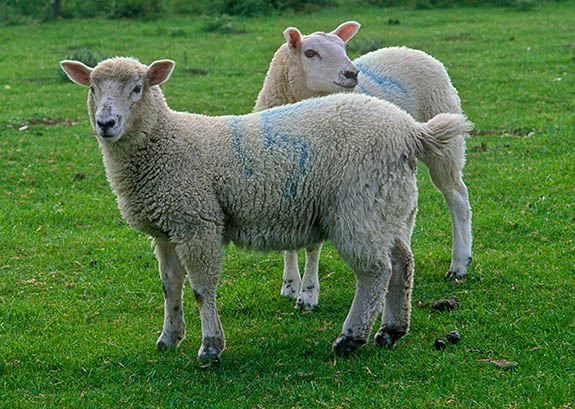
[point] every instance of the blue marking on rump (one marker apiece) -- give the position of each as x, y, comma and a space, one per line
237, 144
382, 81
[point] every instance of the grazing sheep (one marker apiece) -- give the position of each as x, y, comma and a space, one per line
316, 65
270, 180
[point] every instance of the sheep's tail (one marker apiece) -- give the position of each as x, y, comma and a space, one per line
438, 131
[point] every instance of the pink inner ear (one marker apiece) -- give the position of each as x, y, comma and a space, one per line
77, 73
159, 72
294, 38
347, 31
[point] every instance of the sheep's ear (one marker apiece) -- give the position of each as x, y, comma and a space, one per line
293, 38
77, 71
159, 71
346, 30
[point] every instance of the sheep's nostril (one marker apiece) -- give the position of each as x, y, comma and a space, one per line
352, 75
106, 125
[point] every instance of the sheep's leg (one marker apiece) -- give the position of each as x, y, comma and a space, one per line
397, 307
446, 174
369, 295
291, 278
202, 262
309, 290
172, 275
458, 202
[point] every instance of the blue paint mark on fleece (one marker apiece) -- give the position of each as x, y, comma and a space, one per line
382, 81
276, 139
237, 144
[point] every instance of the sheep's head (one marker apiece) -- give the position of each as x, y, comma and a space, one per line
118, 88
322, 58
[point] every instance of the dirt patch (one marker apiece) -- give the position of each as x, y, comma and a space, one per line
503, 132
39, 79
445, 304
52, 122
195, 71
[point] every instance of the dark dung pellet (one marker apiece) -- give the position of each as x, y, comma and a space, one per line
439, 344
454, 337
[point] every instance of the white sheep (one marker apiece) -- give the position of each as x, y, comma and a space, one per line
271, 180
317, 64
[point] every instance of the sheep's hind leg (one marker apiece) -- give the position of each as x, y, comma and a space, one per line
458, 202
367, 303
291, 278
172, 275
397, 308
201, 259
309, 290
447, 176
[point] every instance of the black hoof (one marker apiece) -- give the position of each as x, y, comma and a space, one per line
387, 336
301, 305
455, 274
344, 345
211, 349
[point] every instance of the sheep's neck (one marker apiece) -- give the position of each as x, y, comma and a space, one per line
118, 157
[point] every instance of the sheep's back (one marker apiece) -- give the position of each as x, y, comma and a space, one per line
283, 171
411, 79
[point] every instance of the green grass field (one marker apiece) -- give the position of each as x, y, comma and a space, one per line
80, 296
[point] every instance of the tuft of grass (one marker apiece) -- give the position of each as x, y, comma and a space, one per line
80, 297
222, 24
364, 46
84, 55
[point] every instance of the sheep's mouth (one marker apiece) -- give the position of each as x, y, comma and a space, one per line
349, 86
109, 137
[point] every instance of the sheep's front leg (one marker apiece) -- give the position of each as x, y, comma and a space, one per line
201, 258
309, 289
369, 295
172, 275
397, 308
291, 278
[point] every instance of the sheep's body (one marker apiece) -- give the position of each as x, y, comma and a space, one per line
411, 79
417, 83
268, 180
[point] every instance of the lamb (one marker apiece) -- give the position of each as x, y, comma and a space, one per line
315, 65
270, 180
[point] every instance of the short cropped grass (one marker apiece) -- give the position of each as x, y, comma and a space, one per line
80, 298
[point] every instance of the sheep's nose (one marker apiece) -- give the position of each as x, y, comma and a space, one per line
106, 125
352, 75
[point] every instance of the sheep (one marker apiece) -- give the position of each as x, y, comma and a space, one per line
270, 180
315, 65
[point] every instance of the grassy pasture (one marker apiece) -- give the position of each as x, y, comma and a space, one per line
80, 298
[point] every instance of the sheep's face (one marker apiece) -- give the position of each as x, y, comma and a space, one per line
324, 63
117, 88
111, 103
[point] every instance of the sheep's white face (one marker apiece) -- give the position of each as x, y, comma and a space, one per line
113, 102
326, 67
116, 87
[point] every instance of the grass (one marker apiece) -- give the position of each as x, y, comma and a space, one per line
80, 298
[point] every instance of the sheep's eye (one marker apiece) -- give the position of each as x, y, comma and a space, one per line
310, 53
137, 89
92, 90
